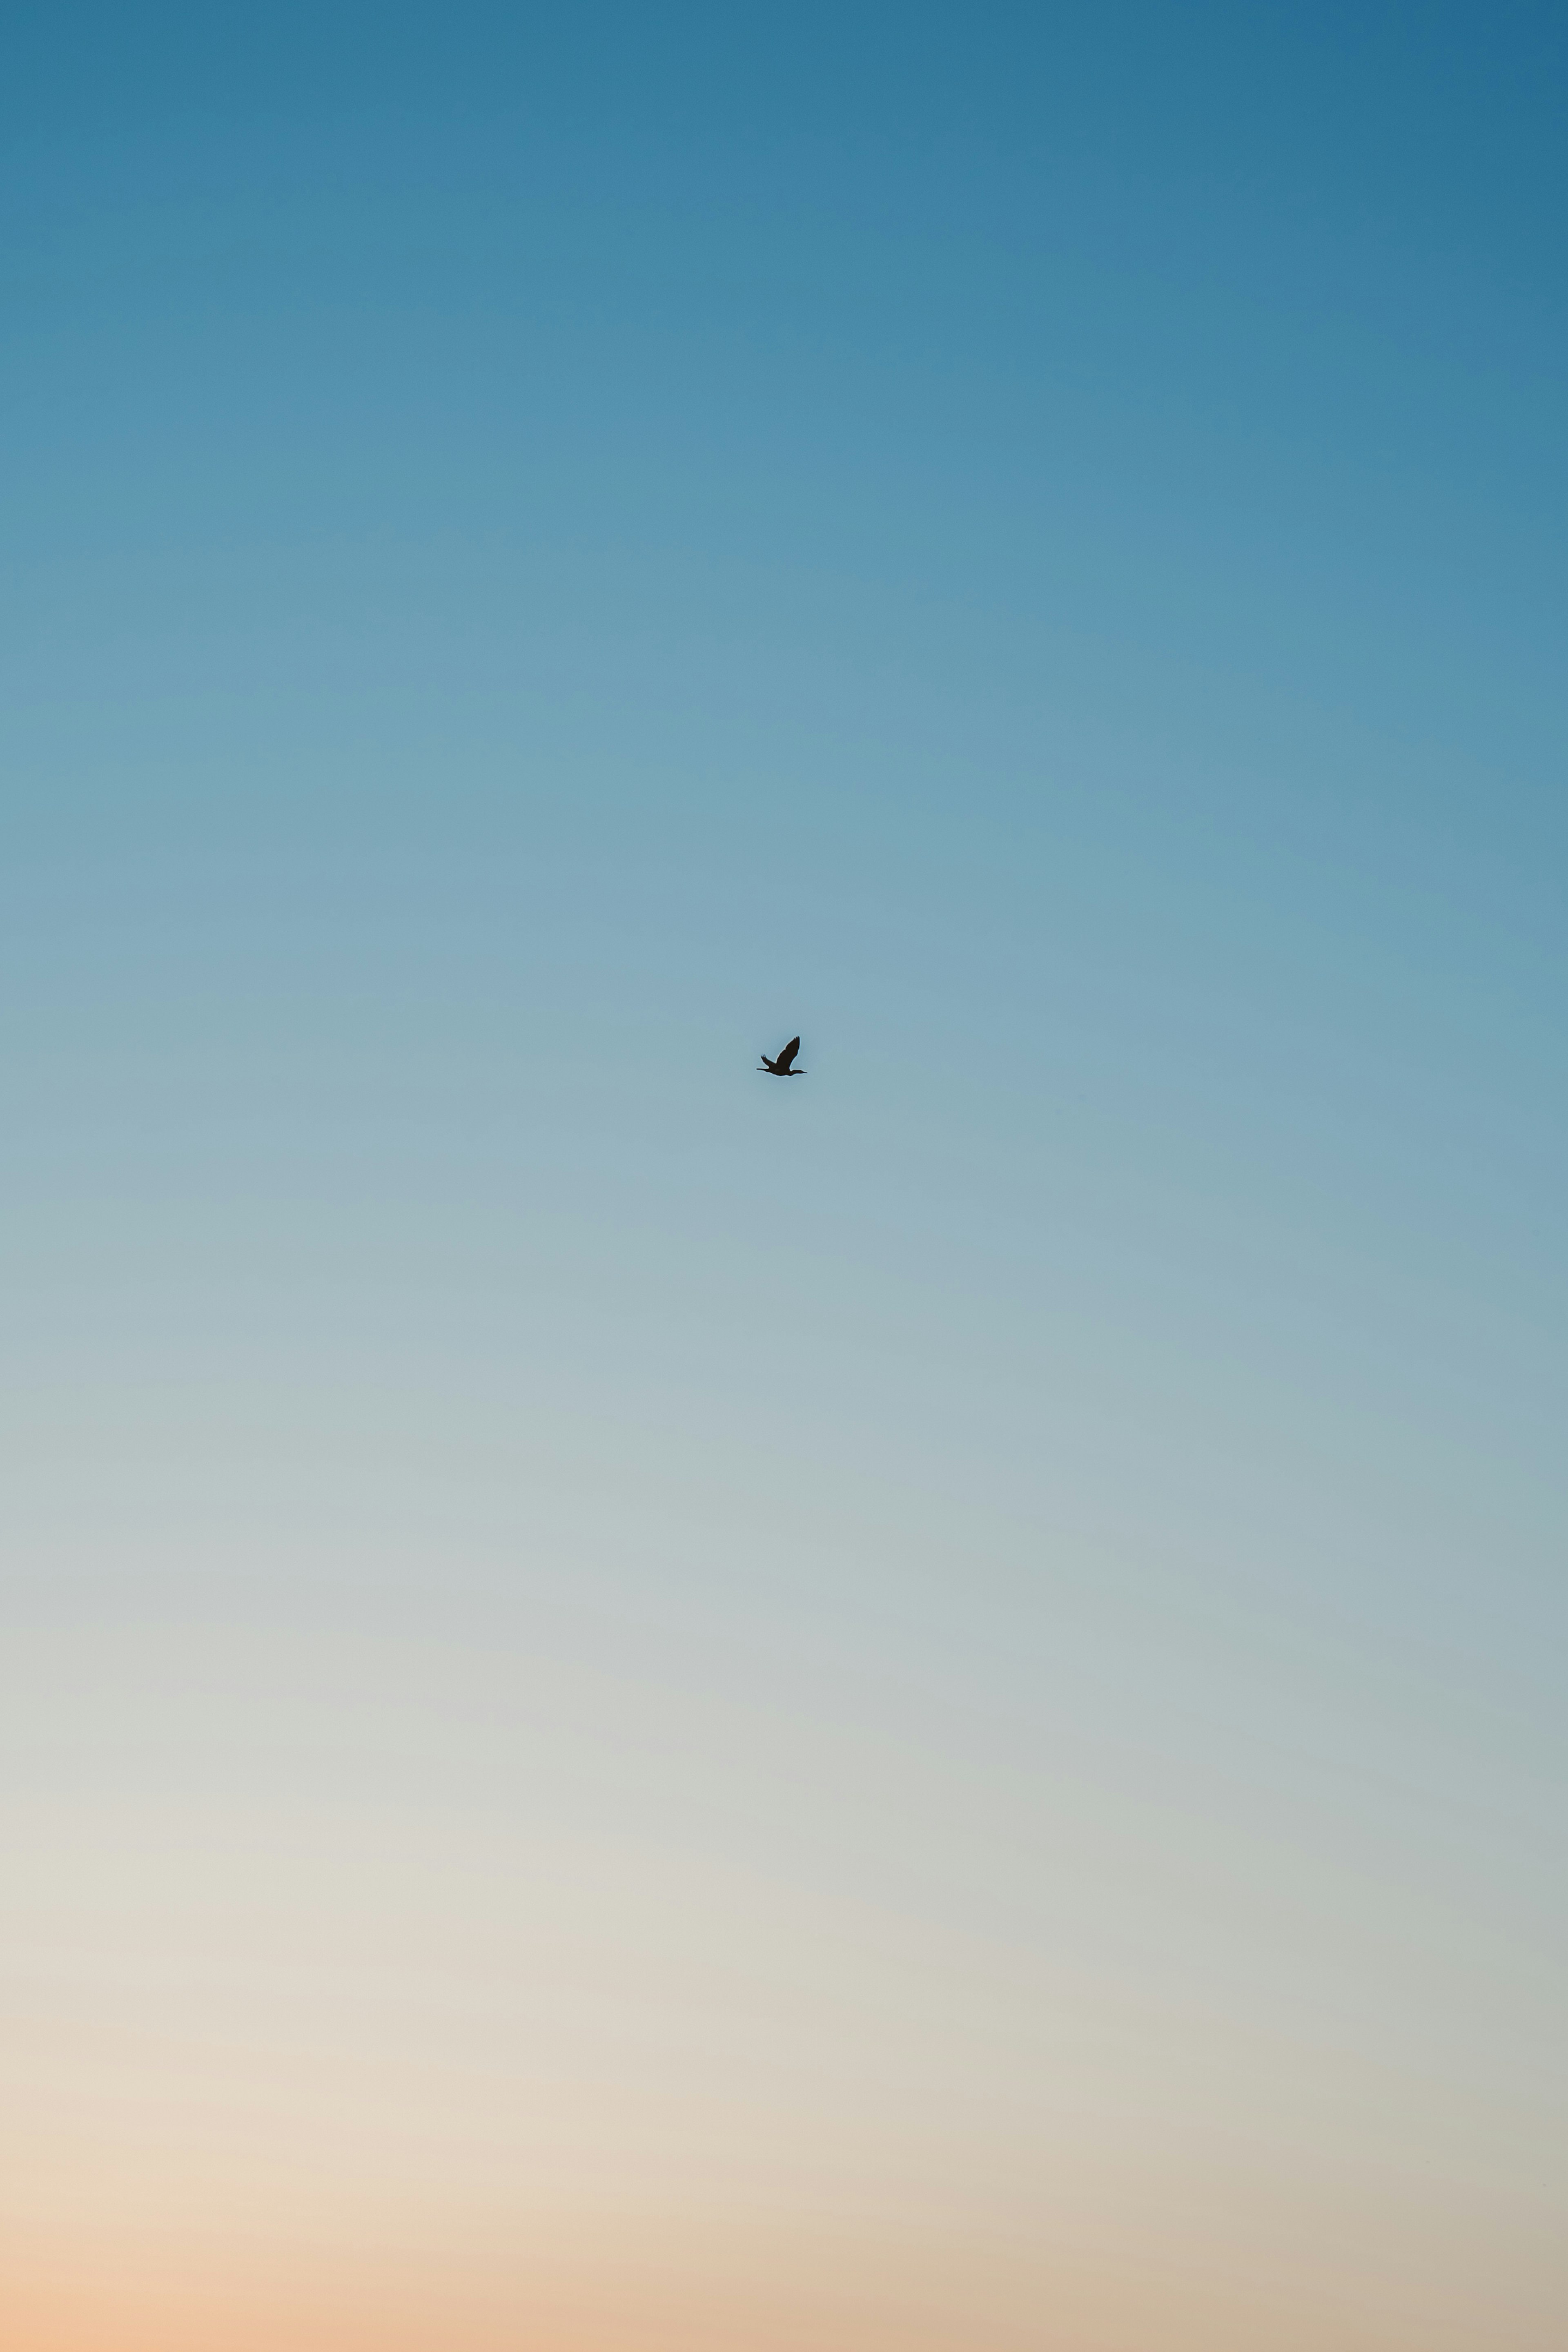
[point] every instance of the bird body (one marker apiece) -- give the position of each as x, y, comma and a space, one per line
784, 1066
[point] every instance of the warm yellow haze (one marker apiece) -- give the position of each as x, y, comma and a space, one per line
323, 2057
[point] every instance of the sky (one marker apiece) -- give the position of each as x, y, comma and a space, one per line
640, 1708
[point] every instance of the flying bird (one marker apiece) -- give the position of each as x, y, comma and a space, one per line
784, 1066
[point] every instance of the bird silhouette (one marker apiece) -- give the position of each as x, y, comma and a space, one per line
783, 1068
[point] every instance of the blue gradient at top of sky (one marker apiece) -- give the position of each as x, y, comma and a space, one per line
544, 553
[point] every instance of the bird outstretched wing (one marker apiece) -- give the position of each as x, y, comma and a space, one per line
788, 1053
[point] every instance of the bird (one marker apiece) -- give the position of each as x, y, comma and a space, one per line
782, 1067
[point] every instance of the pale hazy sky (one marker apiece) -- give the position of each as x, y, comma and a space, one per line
643, 1708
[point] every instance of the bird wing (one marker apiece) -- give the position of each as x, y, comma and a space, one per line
788, 1053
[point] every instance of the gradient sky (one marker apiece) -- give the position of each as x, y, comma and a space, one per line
640, 1708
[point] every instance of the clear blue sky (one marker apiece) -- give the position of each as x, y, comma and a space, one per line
545, 552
